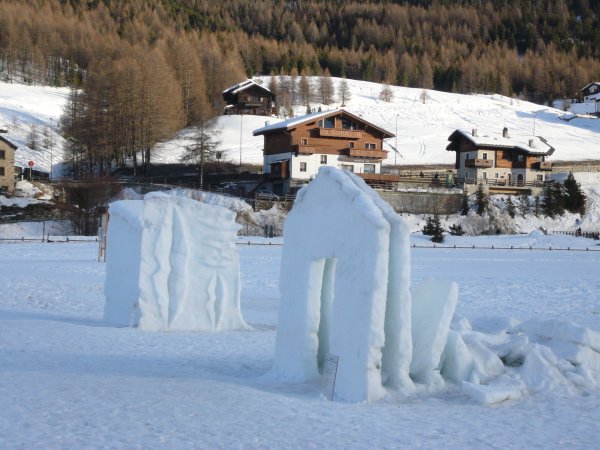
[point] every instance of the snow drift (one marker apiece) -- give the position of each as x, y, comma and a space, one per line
172, 264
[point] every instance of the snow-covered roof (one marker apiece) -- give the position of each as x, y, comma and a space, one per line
8, 141
291, 123
236, 88
540, 145
589, 84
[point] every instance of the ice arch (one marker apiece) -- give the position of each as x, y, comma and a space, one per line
172, 264
345, 279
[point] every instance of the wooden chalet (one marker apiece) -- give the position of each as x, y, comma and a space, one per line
7, 165
589, 92
249, 97
295, 149
500, 161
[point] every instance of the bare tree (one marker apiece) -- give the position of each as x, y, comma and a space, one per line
204, 146
326, 88
386, 93
344, 92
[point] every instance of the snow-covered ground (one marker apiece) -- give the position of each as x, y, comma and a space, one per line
69, 381
422, 127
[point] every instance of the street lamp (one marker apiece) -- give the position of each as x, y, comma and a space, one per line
396, 149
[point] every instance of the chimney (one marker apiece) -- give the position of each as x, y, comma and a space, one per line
474, 132
266, 123
531, 143
3, 130
505, 132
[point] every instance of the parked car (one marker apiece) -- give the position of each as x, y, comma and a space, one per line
265, 194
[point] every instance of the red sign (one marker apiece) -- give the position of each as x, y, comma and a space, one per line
31, 164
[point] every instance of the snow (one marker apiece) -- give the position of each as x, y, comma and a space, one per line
30, 109
71, 382
172, 264
333, 300
422, 128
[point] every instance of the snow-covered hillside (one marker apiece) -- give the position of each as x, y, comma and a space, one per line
27, 110
422, 120
423, 123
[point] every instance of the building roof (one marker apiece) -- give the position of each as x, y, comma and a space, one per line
295, 121
497, 140
236, 88
9, 142
588, 85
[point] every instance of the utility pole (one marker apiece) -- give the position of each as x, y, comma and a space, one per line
241, 121
396, 149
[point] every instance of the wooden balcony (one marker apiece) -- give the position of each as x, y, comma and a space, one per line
304, 149
542, 166
362, 153
483, 163
331, 132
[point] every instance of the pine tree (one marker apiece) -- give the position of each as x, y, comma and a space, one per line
575, 199
481, 200
434, 229
464, 210
524, 206
456, 230
510, 207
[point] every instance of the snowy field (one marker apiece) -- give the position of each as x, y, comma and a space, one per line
69, 381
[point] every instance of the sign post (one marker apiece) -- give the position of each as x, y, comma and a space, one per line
30, 164
329, 375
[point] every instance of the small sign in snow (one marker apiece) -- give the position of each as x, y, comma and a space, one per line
329, 374
31, 164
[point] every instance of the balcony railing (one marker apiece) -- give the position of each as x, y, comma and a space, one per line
350, 134
479, 163
304, 149
361, 153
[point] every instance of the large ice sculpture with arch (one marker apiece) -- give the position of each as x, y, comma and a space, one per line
344, 282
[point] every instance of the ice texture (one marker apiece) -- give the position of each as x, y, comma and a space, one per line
172, 264
433, 306
342, 247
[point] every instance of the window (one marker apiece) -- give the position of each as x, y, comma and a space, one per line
497, 175
302, 167
351, 144
327, 123
520, 158
370, 146
2, 154
540, 177
323, 159
1, 171
369, 168
348, 167
485, 156
347, 124
304, 141
485, 175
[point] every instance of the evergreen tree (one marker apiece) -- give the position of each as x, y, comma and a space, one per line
481, 200
537, 206
456, 230
434, 229
524, 206
464, 209
510, 207
575, 199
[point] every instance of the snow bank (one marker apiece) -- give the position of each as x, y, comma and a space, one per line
172, 264
341, 247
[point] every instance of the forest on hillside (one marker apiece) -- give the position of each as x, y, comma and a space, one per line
149, 67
